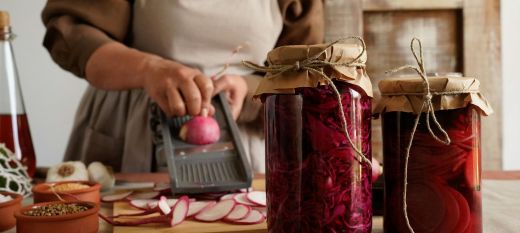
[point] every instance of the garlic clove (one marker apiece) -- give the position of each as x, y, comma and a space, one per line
66, 171
101, 174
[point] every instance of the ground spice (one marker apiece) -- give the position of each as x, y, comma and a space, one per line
57, 209
69, 187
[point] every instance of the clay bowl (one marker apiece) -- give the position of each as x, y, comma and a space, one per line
85, 222
43, 193
7, 209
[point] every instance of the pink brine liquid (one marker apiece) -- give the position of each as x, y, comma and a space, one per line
314, 182
444, 183
20, 128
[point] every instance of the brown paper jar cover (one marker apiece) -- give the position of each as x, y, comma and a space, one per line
287, 82
406, 94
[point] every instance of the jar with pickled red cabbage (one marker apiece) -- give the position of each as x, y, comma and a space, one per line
317, 125
431, 149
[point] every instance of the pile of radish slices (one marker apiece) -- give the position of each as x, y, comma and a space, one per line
234, 208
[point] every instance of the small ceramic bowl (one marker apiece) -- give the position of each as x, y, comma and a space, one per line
85, 222
7, 209
43, 192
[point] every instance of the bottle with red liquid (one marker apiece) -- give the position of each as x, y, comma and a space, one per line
443, 183
315, 179
14, 126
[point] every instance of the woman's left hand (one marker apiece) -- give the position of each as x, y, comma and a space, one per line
235, 88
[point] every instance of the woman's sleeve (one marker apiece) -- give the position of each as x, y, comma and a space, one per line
76, 28
303, 22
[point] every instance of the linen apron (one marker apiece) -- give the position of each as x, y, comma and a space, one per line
113, 126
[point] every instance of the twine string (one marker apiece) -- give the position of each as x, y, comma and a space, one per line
315, 65
430, 113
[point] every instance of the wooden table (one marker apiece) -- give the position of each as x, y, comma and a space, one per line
163, 178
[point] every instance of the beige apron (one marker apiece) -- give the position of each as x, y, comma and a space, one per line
113, 127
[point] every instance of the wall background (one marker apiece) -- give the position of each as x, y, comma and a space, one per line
51, 94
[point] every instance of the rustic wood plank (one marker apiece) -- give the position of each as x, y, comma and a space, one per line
342, 19
482, 59
388, 35
389, 5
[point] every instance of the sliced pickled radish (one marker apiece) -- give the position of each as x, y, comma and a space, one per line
465, 212
254, 217
198, 206
239, 212
144, 195
142, 203
257, 197
116, 197
452, 210
426, 207
241, 198
179, 211
262, 210
216, 212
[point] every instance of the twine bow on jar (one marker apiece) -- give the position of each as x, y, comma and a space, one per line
427, 105
315, 65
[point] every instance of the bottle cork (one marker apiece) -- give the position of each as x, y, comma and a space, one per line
4, 19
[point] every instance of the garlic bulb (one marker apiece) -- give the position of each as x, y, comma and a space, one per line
72, 170
99, 173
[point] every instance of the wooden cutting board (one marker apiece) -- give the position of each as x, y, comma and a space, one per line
190, 226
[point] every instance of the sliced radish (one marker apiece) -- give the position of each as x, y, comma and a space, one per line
257, 197
142, 203
246, 190
239, 212
116, 197
163, 206
180, 211
262, 210
144, 195
254, 217
227, 196
196, 207
216, 212
241, 198
171, 203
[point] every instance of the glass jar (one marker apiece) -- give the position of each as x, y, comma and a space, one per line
314, 180
443, 184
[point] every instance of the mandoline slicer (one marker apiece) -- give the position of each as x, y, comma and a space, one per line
217, 167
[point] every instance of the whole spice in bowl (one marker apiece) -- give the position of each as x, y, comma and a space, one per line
66, 216
9, 203
67, 190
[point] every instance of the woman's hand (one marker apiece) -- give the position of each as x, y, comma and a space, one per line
177, 89
235, 88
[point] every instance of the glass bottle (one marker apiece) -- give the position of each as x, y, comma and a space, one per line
14, 126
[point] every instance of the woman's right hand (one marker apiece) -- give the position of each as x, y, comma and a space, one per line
177, 89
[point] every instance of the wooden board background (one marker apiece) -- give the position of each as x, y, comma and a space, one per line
458, 36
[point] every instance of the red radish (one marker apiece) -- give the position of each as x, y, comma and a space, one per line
216, 212
426, 206
254, 217
198, 206
200, 130
241, 198
179, 211
227, 196
377, 170
257, 197
171, 203
144, 195
142, 203
239, 212
116, 197
465, 212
